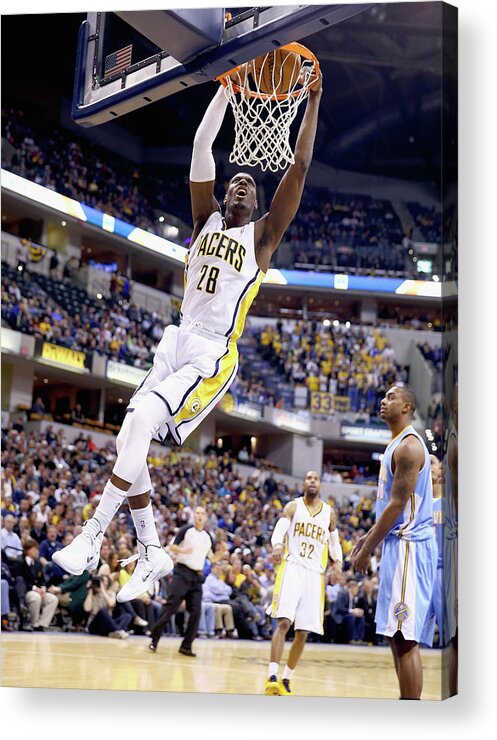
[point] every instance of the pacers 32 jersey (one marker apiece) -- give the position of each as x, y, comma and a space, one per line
416, 521
307, 538
222, 278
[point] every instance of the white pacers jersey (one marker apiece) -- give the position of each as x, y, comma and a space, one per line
222, 277
307, 538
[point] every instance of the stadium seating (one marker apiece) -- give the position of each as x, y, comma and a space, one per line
428, 220
349, 362
241, 510
64, 314
332, 231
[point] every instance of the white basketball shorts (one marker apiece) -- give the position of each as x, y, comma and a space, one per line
299, 596
192, 371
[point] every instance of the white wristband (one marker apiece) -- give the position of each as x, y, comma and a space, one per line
334, 547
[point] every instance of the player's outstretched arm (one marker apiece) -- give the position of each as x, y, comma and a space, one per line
408, 459
203, 167
270, 228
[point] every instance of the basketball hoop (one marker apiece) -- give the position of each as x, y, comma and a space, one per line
265, 95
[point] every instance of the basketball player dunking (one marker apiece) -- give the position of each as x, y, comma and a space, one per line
301, 540
196, 363
404, 512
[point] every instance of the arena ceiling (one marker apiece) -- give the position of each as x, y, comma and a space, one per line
382, 72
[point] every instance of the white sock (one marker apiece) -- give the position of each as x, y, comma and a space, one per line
273, 669
146, 530
288, 672
112, 498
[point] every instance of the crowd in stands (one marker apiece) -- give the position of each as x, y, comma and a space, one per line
338, 231
356, 363
409, 317
353, 362
121, 330
80, 169
433, 355
51, 487
345, 232
428, 221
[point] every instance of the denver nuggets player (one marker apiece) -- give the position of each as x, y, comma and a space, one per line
450, 543
196, 363
404, 512
436, 611
302, 538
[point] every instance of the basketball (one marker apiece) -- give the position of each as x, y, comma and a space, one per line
277, 72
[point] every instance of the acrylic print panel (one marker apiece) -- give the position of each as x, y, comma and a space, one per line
293, 410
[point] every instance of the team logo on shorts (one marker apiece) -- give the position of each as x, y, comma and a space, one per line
195, 405
401, 611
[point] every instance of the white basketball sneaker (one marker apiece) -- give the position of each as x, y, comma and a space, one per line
153, 563
82, 554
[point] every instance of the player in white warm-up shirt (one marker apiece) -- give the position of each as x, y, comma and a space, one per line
302, 540
196, 362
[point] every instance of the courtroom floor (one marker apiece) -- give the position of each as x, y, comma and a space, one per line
81, 661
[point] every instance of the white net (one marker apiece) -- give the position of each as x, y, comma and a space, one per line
263, 120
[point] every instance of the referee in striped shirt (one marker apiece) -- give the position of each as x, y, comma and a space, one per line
191, 545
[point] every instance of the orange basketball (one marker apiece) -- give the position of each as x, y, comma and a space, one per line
276, 72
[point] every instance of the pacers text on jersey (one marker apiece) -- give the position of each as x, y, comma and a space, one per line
218, 244
307, 529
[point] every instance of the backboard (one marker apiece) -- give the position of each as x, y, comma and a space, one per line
126, 60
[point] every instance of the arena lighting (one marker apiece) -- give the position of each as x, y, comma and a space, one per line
435, 278
326, 323
171, 231
336, 323
347, 324
99, 296
161, 219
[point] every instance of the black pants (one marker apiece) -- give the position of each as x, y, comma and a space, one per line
185, 585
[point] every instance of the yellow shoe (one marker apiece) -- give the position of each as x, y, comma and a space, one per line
284, 685
272, 687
